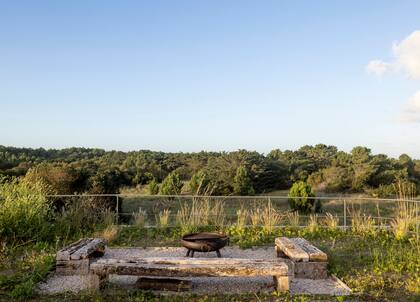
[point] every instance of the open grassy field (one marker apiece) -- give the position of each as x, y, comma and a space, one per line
345, 207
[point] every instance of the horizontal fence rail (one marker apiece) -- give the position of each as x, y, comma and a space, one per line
232, 197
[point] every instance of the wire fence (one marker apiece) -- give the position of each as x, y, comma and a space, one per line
172, 210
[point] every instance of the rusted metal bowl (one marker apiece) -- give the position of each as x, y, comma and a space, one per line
204, 242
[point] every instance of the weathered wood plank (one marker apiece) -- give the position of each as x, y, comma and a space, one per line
195, 261
95, 246
291, 249
148, 283
315, 254
65, 253
210, 268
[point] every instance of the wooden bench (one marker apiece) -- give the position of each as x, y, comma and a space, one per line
75, 258
187, 267
309, 261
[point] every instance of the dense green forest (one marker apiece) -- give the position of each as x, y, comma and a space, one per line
324, 168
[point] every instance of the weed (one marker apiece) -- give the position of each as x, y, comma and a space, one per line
293, 218
242, 217
24, 211
139, 218
313, 223
200, 212
270, 217
110, 233
163, 218
331, 221
405, 217
255, 216
360, 222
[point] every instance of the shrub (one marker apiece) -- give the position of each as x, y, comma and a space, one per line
24, 210
383, 191
171, 185
62, 179
301, 197
200, 183
242, 183
153, 187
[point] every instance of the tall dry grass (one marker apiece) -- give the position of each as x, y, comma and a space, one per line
405, 212
139, 218
331, 221
270, 217
255, 216
242, 216
361, 222
293, 218
313, 223
109, 233
163, 218
201, 211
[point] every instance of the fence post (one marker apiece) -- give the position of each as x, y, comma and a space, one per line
269, 214
117, 210
417, 220
345, 214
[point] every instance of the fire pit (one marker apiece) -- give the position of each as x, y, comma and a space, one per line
204, 242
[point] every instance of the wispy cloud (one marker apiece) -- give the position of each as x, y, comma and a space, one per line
378, 67
407, 61
406, 58
408, 55
411, 112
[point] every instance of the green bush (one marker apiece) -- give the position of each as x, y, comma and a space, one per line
200, 183
24, 211
153, 187
383, 191
301, 197
171, 185
242, 183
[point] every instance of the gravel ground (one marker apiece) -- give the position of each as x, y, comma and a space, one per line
201, 285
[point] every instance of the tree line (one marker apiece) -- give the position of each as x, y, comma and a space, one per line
242, 172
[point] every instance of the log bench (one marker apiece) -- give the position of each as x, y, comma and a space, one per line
75, 258
202, 267
309, 261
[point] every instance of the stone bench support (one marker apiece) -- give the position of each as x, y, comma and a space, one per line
75, 258
309, 261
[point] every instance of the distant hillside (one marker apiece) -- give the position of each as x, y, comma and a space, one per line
324, 167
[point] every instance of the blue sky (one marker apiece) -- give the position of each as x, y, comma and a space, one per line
210, 75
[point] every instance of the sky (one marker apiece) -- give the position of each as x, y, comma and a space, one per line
210, 75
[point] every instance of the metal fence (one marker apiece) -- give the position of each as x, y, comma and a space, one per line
170, 210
